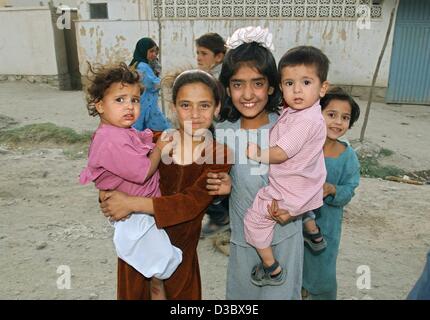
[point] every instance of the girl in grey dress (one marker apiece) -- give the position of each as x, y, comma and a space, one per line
250, 77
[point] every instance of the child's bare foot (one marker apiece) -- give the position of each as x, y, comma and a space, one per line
157, 289
312, 228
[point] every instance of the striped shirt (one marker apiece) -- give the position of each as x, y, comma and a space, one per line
297, 183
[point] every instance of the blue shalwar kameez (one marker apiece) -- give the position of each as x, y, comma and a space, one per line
319, 269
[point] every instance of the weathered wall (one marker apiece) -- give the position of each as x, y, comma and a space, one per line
20, 3
36, 51
27, 41
353, 52
119, 9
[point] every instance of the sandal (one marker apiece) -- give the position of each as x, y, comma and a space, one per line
310, 239
262, 276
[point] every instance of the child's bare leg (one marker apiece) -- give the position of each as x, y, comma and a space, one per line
312, 228
157, 289
268, 259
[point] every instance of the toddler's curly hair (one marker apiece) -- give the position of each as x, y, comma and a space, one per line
101, 77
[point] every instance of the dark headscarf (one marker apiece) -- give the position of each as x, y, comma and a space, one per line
141, 51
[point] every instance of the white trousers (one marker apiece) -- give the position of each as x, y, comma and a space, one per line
146, 248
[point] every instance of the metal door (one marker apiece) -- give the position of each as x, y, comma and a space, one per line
409, 79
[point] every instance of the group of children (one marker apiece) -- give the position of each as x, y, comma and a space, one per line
292, 123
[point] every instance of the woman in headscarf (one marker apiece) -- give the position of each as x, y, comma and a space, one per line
151, 117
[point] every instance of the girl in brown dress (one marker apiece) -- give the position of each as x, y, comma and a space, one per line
183, 171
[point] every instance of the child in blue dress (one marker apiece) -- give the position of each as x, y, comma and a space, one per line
340, 112
151, 116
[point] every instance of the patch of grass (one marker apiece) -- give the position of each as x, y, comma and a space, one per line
76, 152
34, 134
386, 152
370, 167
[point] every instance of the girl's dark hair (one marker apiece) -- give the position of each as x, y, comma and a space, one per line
337, 93
197, 76
141, 51
100, 78
255, 56
212, 41
306, 55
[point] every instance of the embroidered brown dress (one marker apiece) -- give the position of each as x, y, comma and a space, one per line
179, 211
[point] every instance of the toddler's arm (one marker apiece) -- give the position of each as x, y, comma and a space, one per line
154, 157
118, 154
272, 155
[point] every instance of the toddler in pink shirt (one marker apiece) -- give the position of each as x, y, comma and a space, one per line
124, 159
297, 170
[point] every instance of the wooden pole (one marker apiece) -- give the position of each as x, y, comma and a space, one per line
375, 75
159, 54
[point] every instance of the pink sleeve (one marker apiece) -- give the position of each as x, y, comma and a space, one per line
295, 137
123, 157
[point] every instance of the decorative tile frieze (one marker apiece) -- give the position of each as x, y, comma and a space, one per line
271, 9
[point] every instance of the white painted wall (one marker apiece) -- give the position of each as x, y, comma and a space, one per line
32, 3
27, 42
353, 52
119, 9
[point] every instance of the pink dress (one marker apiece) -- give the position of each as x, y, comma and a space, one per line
297, 183
118, 160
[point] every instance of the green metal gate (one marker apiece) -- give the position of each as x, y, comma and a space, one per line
409, 79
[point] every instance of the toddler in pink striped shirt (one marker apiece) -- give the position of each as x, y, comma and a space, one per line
297, 170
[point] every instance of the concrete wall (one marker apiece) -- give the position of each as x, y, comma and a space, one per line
353, 52
119, 9
36, 51
31, 49
27, 3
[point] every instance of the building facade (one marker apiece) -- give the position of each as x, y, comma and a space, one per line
350, 32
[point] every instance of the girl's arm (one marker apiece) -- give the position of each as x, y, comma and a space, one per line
187, 205
218, 184
272, 155
342, 193
117, 205
149, 79
167, 210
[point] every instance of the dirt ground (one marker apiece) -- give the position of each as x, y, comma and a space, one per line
51, 225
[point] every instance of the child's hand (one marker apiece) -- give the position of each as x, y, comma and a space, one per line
253, 151
218, 184
281, 216
114, 205
328, 189
162, 141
